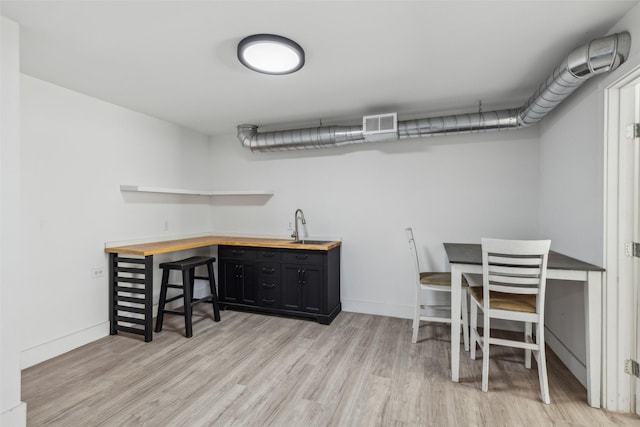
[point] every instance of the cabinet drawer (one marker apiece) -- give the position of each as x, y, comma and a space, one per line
267, 254
270, 299
237, 252
303, 257
269, 271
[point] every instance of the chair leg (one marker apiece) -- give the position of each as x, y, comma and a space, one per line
527, 338
187, 276
465, 320
542, 365
474, 329
416, 318
214, 293
485, 350
163, 299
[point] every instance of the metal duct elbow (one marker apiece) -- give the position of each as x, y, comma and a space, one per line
596, 57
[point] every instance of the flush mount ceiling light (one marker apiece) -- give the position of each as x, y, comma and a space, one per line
270, 54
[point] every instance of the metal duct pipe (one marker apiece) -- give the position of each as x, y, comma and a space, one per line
297, 139
596, 57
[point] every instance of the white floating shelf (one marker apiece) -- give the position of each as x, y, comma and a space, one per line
141, 189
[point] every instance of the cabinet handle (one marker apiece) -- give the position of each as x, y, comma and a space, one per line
302, 256
299, 276
268, 254
268, 270
268, 301
238, 252
268, 285
304, 277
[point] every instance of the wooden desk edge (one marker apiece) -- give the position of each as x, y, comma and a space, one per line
166, 246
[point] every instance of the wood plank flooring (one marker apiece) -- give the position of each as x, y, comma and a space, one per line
256, 370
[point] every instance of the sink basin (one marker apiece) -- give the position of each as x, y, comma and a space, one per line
310, 242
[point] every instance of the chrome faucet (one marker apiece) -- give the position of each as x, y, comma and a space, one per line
295, 234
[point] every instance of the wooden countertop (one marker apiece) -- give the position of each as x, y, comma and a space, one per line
166, 246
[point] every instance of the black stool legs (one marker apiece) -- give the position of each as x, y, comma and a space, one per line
214, 294
163, 299
187, 266
187, 284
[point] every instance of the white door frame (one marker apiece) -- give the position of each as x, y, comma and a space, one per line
620, 300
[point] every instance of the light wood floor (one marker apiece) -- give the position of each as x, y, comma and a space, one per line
256, 370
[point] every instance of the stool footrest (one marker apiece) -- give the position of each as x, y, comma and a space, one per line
179, 313
174, 298
172, 286
208, 298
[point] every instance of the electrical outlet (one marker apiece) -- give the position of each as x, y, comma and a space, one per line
632, 367
97, 272
290, 226
166, 225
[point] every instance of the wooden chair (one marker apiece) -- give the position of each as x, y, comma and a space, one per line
514, 280
438, 282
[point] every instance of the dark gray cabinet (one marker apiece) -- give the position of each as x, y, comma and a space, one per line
237, 276
296, 282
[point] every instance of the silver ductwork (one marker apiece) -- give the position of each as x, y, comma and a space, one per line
596, 57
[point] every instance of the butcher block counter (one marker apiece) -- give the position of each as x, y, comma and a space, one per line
265, 275
166, 246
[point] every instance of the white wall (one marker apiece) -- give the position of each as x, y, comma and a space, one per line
12, 410
76, 151
454, 188
572, 196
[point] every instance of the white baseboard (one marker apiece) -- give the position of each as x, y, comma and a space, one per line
58, 346
15, 417
378, 308
40, 353
406, 312
575, 365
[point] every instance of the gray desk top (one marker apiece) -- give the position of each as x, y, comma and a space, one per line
471, 253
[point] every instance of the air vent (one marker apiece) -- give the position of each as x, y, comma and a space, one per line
381, 127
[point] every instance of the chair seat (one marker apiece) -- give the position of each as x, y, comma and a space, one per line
505, 301
438, 279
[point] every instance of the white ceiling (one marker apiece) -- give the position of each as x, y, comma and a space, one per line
176, 60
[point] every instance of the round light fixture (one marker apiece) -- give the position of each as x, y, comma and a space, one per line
270, 54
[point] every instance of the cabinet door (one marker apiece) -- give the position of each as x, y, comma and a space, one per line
302, 288
228, 276
238, 282
248, 283
291, 287
312, 289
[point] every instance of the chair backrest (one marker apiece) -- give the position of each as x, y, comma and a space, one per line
515, 266
413, 253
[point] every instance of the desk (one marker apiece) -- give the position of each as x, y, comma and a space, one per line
467, 258
131, 275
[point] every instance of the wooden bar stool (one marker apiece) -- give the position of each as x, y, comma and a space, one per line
188, 267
